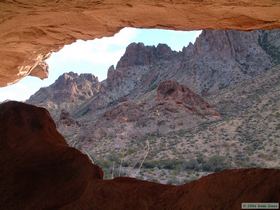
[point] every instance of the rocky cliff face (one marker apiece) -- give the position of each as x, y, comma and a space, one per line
68, 92
137, 54
221, 58
218, 59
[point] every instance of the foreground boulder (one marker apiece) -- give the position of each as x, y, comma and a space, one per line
39, 171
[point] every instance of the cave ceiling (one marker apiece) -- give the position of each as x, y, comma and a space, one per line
31, 29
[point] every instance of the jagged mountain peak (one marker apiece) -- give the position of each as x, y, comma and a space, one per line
216, 60
138, 54
67, 92
67, 76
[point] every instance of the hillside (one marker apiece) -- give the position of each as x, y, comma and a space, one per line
175, 116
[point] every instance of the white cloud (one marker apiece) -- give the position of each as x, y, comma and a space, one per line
97, 51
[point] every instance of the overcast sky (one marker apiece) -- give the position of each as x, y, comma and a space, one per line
95, 57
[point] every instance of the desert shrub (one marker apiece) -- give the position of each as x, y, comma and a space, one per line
182, 132
106, 166
149, 165
172, 164
201, 163
153, 86
164, 164
192, 164
200, 158
215, 163
103, 163
173, 181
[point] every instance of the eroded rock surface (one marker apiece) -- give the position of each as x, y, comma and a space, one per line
172, 92
171, 107
30, 30
68, 92
39, 171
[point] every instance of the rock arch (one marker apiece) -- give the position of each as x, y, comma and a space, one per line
30, 30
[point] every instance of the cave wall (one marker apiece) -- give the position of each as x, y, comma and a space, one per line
31, 29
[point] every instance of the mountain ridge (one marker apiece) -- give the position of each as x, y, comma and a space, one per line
177, 102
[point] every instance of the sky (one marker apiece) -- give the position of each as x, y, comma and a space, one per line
95, 56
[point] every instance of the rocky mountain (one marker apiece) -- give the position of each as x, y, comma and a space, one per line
175, 116
217, 60
68, 92
159, 113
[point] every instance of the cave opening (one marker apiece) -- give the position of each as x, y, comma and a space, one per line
170, 116
178, 106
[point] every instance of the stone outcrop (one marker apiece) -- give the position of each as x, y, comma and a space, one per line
41, 71
137, 54
39, 171
30, 31
66, 119
124, 112
66, 93
172, 92
219, 59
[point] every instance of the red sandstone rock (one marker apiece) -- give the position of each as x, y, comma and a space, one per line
30, 30
124, 112
172, 92
38, 169
138, 54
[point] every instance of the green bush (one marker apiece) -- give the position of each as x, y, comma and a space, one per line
215, 163
164, 164
191, 165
